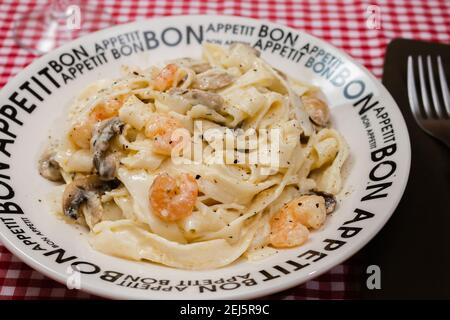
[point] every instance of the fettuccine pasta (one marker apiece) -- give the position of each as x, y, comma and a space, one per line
198, 162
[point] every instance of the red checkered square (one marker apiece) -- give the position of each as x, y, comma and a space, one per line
342, 23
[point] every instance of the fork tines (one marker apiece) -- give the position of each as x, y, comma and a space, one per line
429, 95
435, 107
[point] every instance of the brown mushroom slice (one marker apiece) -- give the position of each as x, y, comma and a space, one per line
198, 66
105, 131
212, 79
330, 200
86, 190
194, 96
317, 110
49, 168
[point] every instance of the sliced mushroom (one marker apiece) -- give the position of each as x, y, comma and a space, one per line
330, 200
317, 110
198, 66
86, 190
212, 79
48, 167
195, 96
256, 52
105, 164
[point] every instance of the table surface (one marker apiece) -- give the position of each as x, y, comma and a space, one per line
342, 23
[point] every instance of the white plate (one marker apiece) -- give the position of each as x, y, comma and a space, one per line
374, 124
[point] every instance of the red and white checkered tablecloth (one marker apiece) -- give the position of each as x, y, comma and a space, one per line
343, 23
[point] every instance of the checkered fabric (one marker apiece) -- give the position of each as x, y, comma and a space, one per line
348, 25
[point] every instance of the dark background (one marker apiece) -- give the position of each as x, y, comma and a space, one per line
413, 249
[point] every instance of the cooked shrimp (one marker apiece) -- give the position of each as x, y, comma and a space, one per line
81, 133
317, 110
165, 79
161, 129
108, 109
173, 198
289, 226
309, 210
286, 231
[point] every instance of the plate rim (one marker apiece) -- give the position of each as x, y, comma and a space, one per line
268, 289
